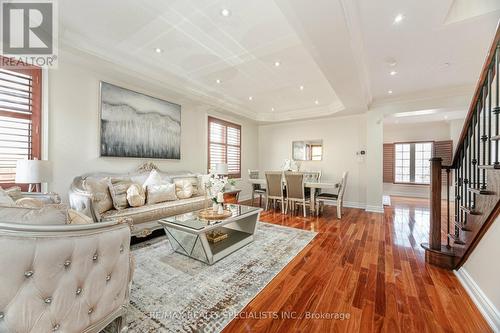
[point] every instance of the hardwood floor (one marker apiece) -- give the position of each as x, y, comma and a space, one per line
368, 266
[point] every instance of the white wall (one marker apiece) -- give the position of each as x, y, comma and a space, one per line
480, 275
433, 131
74, 124
342, 138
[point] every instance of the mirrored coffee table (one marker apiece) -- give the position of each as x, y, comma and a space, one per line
191, 236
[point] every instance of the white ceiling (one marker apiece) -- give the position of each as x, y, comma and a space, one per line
336, 49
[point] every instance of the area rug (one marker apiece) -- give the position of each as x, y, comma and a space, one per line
173, 293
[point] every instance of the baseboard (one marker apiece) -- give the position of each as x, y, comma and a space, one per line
374, 209
359, 205
487, 309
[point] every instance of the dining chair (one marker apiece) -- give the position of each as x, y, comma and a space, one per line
257, 189
339, 196
295, 193
274, 182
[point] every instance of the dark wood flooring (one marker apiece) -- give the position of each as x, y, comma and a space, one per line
369, 266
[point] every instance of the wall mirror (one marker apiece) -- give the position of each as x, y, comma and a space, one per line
309, 150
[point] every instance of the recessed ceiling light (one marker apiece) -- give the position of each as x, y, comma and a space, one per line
250, 98
277, 64
158, 50
316, 102
399, 18
445, 117
218, 81
225, 12
392, 73
272, 109
389, 92
301, 87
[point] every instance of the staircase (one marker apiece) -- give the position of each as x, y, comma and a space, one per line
475, 171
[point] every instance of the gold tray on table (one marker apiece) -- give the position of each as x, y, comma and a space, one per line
209, 214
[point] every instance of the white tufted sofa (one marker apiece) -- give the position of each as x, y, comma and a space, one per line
64, 278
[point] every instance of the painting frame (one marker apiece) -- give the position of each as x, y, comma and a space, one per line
106, 149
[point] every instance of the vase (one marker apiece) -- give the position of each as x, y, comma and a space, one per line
215, 207
220, 209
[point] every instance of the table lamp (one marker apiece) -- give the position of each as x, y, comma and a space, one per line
33, 172
221, 169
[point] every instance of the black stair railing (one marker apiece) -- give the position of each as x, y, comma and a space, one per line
478, 148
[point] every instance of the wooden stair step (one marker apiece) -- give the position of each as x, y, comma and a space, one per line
490, 167
469, 210
456, 239
480, 191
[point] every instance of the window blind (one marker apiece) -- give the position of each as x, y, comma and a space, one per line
444, 149
388, 159
20, 94
224, 145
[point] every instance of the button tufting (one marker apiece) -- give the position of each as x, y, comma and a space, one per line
55, 328
78, 291
67, 263
94, 258
28, 274
108, 278
48, 300
90, 310
1, 315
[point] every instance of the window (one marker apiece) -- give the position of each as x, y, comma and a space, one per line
316, 152
412, 162
20, 101
224, 145
402, 163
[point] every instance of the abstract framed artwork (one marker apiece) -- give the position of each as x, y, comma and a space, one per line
137, 125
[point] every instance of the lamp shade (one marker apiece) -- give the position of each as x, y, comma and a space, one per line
33, 172
221, 169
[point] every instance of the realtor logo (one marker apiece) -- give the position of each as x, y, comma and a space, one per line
29, 31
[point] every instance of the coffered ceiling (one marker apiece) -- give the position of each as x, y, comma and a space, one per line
333, 55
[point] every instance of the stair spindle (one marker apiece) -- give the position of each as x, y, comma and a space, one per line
484, 137
488, 114
496, 110
447, 206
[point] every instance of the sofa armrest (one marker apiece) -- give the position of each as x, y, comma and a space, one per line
46, 263
82, 200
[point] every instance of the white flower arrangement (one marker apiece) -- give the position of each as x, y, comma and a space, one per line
214, 184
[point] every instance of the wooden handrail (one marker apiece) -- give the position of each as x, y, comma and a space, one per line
477, 95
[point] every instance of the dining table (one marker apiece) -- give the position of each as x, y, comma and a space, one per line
312, 185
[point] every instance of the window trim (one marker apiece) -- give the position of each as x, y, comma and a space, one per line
394, 161
227, 124
36, 111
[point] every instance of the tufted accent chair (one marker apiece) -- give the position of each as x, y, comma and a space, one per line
64, 278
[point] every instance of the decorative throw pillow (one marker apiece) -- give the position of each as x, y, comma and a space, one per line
100, 191
5, 199
118, 188
136, 195
29, 203
76, 217
14, 192
161, 193
154, 178
195, 184
183, 188
47, 215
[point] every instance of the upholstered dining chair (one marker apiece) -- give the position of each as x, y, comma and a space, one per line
256, 188
64, 278
339, 196
295, 192
274, 182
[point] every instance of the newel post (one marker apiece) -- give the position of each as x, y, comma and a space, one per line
435, 227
